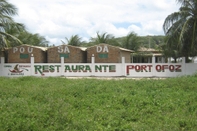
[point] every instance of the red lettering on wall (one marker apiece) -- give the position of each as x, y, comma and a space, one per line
139, 68
158, 68
178, 68
171, 68
128, 68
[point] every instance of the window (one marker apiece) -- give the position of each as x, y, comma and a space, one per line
103, 55
24, 56
64, 55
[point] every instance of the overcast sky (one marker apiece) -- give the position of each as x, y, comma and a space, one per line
57, 19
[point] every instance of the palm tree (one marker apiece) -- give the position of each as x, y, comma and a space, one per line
170, 49
104, 38
131, 41
74, 40
182, 25
14, 32
7, 10
32, 39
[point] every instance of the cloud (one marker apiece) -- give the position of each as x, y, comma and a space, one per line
63, 18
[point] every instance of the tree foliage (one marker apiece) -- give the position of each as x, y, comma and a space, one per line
33, 39
8, 10
132, 41
104, 38
181, 29
74, 40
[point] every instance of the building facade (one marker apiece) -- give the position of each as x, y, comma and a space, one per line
71, 54
105, 53
23, 53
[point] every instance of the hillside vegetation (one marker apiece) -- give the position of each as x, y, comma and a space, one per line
154, 42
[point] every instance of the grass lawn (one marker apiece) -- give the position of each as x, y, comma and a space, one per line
54, 103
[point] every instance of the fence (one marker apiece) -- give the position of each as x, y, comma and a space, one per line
97, 69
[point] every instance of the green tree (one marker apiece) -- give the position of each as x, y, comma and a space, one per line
32, 39
74, 40
132, 41
7, 10
104, 38
25, 37
169, 48
182, 25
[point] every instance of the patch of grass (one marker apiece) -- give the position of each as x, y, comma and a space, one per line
32, 103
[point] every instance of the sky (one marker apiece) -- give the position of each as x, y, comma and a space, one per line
59, 19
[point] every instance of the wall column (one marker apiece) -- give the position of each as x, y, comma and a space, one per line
2, 66
32, 64
183, 66
153, 63
93, 65
123, 67
62, 66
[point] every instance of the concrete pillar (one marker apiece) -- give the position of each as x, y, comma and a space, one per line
32, 64
154, 65
62, 66
183, 64
123, 67
93, 65
169, 59
1, 66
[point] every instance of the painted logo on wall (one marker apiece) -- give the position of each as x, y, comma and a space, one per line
17, 70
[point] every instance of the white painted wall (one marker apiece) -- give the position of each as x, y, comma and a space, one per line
97, 69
